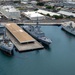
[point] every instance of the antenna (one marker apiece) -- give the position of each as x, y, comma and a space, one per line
4, 34
37, 23
71, 24
37, 20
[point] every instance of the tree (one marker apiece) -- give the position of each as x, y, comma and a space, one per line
48, 7
61, 16
40, 4
38, 0
58, 17
48, 15
55, 16
35, 9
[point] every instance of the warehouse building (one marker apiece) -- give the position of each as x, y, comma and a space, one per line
10, 12
33, 15
66, 13
47, 12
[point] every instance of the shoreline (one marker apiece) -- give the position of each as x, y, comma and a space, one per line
42, 24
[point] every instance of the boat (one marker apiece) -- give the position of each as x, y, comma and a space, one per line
69, 28
6, 45
36, 33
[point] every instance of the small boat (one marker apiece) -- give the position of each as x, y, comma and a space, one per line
6, 45
69, 28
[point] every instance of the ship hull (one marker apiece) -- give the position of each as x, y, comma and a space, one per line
5, 51
68, 30
42, 41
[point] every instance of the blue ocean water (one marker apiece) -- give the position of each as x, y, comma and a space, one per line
59, 59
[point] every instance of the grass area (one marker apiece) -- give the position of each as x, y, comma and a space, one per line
20, 8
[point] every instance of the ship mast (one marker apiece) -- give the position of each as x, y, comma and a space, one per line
37, 21
37, 24
4, 34
71, 24
5, 38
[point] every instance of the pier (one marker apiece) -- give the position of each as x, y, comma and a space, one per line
28, 43
19, 33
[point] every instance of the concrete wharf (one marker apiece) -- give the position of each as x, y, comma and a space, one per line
44, 24
23, 46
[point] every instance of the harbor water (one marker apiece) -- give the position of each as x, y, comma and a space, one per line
59, 59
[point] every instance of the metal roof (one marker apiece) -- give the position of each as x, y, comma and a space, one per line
66, 13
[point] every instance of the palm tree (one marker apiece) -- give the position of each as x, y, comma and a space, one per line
38, 0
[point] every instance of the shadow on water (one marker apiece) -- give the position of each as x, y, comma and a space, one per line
37, 51
47, 47
60, 26
6, 54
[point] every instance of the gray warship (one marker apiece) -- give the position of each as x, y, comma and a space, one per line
69, 28
6, 45
36, 33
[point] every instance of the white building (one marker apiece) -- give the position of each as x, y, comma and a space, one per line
33, 15
9, 0
24, 1
66, 13
47, 12
13, 0
10, 12
58, 1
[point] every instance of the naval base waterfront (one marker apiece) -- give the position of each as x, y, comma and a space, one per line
59, 59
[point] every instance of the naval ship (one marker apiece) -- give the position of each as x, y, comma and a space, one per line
36, 33
69, 28
6, 45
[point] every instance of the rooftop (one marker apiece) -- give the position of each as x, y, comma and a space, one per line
47, 12
66, 13
32, 14
10, 8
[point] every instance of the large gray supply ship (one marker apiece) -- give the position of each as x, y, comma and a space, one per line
6, 45
69, 28
35, 32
